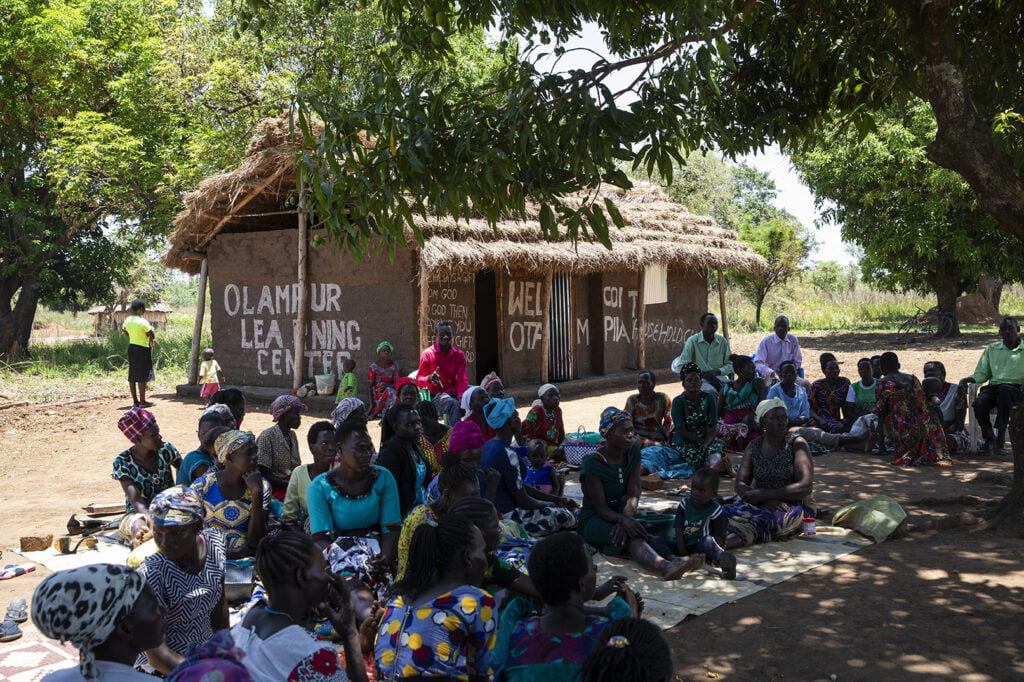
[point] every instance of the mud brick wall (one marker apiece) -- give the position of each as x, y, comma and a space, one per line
668, 325
521, 327
454, 300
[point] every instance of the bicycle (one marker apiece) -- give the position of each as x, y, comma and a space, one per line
922, 321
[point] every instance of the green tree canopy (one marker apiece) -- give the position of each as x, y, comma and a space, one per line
732, 75
919, 225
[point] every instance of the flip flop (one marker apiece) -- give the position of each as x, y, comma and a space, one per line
9, 631
17, 611
12, 571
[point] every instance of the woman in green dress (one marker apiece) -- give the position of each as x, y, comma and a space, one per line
695, 416
611, 493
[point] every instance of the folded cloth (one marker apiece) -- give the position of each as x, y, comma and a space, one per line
876, 517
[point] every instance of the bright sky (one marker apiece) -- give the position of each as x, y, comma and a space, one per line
793, 195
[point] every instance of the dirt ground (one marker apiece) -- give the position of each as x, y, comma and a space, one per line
929, 605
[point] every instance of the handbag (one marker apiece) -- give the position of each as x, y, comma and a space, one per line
580, 444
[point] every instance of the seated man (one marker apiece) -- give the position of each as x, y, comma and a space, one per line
443, 372
1002, 366
711, 353
776, 349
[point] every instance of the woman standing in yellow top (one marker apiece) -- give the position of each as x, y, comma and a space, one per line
140, 352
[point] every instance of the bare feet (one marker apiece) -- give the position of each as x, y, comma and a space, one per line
673, 570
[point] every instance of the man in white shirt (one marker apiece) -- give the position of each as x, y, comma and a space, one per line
776, 349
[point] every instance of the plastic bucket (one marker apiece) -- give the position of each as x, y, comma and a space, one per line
324, 384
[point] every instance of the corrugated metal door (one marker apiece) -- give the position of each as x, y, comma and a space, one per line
560, 354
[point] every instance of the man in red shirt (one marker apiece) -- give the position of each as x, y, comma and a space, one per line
443, 371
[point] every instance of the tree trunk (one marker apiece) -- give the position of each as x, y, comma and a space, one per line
947, 288
992, 289
1008, 517
16, 323
963, 142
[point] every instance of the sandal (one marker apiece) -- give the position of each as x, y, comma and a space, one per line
9, 631
17, 611
11, 571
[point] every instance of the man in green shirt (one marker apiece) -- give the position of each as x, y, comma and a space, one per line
1002, 366
711, 353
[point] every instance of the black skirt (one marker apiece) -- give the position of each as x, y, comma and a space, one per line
140, 363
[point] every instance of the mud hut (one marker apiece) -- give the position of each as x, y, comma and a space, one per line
533, 310
107, 317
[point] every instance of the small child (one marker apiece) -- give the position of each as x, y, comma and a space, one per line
541, 475
210, 375
701, 524
347, 386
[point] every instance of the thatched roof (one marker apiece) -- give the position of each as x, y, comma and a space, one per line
260, 193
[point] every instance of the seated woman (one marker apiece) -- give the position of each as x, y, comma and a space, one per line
539, 513
650, 410
355, 507
792, 394
494, 386
736, 404
278, 446
610, 477
107, 612
402, 456
144, 469
197, 462
320, 439
187, 575
438, 623
453, 483
473, 401
234, 399
544, 420
695, 420
951, 402
276, 645
775, 482
904, 419
552, 645
235, 497
349, 410
409, 394
828, 397
505, 554
435, 438
383, 375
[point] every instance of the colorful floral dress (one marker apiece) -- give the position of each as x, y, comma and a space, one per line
382, 386
291, 654
695, 417
148, 483
231, 517
433, 452
650, 420
909, 427
549, 428
827, 403
452, 635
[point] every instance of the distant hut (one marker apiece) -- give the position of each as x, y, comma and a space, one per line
107, 317
531, 309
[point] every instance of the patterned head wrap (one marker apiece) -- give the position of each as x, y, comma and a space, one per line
467, 395
216, 660
224, 412
134, 422
544, 389
177, 506
610, 417
498, 410
84, 605
345, 408
766, 406
385, 344
688, 368
465, 435
489, 379
229, 441
283, 404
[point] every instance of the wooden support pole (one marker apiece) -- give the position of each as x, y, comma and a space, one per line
424, 307
721, 303
641, 352
197, 330
499, 285
545, 327
300, 326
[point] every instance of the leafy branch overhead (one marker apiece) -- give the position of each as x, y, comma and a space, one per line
727, 75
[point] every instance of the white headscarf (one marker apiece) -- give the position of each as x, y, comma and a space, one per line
467, 396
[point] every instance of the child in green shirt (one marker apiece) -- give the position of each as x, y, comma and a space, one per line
701, 524
347, 387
